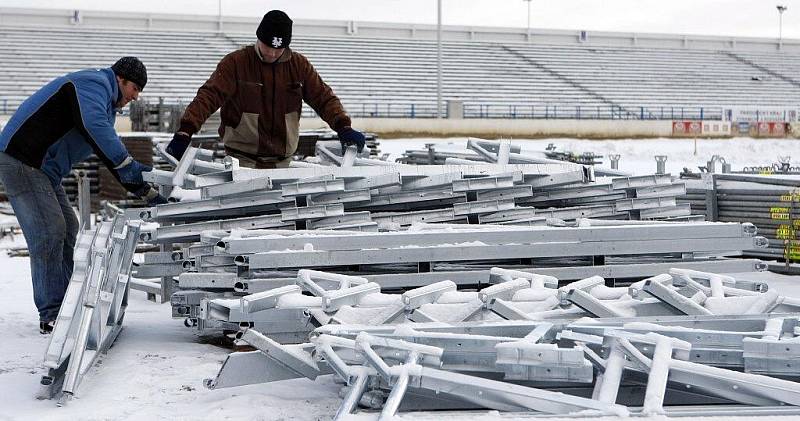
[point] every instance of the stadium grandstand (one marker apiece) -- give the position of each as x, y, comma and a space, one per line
492, 72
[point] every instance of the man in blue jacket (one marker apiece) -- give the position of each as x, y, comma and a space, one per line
61, 124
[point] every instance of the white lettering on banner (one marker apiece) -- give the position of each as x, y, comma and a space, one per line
752, 115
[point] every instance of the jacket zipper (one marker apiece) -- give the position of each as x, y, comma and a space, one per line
272, 127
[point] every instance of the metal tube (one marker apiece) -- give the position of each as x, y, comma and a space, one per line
614, 161
84, 199
395, 397
76, 356
612, 374
661, 164
504, 152
657, 379
352, 398
349, 156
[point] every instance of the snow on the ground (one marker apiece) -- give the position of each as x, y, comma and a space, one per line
637, 155
156, 368
154, 371
499, 416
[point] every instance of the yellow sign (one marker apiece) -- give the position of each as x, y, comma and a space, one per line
793, 250
785, 232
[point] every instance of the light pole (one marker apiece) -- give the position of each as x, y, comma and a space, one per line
219, 15
529, 18
781, 9
439, 59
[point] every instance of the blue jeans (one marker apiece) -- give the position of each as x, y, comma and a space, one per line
50, 228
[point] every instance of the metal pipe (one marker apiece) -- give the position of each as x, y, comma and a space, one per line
395, 396
661, 164
349, 156
657, 380
612, 375
84, 199
353, 397
614, 161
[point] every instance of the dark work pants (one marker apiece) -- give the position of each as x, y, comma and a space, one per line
50, 228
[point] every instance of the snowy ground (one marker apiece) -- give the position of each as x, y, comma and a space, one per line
156, 368
637, 154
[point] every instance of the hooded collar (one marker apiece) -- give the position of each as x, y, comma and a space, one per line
116, 93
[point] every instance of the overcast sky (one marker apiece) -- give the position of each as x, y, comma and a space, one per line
714, 17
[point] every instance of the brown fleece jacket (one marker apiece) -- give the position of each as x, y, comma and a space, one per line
261, 102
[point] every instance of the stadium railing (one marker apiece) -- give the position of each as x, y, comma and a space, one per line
534, 111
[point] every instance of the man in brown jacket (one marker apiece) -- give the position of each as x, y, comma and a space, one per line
261, 89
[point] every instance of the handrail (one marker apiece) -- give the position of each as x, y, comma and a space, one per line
534, 111
480, 110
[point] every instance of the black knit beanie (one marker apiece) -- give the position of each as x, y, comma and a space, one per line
275, 30
131, 68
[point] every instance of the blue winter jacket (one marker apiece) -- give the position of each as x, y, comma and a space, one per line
66, 120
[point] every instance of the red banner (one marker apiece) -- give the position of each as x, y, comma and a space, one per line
689, 128
771, 129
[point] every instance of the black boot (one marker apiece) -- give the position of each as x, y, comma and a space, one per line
46, 328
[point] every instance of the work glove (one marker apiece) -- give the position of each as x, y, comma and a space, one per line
348, 136
177, 146
130, 172
158, 200
150, 195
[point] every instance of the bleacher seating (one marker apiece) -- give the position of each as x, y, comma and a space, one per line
396, 76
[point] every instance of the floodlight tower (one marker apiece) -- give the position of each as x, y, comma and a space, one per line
781, 9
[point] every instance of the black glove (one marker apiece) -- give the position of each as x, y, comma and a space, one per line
150, 195
177, 146
349, 136
158, 200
